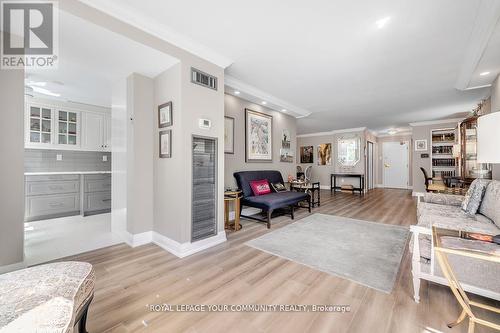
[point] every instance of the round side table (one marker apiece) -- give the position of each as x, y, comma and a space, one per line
235, 197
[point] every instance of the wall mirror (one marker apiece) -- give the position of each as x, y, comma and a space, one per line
349, 150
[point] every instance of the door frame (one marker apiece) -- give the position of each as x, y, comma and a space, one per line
368, 179
407, 165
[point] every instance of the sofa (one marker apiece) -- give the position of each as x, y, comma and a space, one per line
47, 298
444, 211
268, 202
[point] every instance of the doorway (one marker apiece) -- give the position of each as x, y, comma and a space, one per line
370, 166
396, 164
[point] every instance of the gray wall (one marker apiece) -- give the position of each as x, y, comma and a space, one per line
235, 107
140, 147
43, 160
322, 173
12, 175
421, 133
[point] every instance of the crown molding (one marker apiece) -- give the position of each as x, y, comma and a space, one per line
346, 130
131, 17
436, 122
399, 134
247, 89
487, 17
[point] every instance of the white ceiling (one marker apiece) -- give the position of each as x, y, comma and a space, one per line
92, 59
328, 57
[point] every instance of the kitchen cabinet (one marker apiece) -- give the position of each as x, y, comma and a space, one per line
65, 128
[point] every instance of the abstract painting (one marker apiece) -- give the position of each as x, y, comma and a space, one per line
306, 154
258, 136
228, 135
325, 154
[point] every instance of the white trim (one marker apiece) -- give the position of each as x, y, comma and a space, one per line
140, 239
12, 267
488, 14
158, 29
417, 194
407, 165
479, 87
324, 187
379, 186
182, 250
259, 95
394, 135
346, 130
436, 122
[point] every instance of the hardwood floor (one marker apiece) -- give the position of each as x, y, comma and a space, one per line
129, 279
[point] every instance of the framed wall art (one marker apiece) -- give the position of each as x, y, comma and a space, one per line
165, 115
325, 154
420, 145
306, 154
229, 135
165, 146
258, 136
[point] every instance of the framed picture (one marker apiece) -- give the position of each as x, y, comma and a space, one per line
166, 144
258, 137
228, 135
325, 154
285, 139
306, 154
165, 115
286, 155
420, 145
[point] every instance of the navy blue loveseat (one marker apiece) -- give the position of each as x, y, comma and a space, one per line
271, 201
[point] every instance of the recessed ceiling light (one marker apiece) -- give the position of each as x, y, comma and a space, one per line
382, 22
283, 110
237, 92
484, 73
392, 132
264, 102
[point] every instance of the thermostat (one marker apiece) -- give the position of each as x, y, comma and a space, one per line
205, 123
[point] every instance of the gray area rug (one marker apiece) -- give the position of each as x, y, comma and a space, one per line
365, 252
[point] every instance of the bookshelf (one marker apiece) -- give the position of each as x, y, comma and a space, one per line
443, 163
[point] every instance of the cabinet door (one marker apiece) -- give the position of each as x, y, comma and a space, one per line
39, 125
68, 131
107, 133
93, 131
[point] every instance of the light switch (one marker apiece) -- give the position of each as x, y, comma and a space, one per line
59, 157
104, 158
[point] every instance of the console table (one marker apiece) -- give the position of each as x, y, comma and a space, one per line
333, 181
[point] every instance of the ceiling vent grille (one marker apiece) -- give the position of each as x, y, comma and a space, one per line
203, 79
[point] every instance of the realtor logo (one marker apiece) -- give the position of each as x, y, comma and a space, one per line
29, 34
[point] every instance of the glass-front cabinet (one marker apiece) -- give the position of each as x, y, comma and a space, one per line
67, 124
471, 169
40, 125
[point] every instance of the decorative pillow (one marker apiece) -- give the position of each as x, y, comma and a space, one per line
474, 195
260, 187
278, 187
490, 206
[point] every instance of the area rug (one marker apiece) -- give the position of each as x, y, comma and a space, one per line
365, 252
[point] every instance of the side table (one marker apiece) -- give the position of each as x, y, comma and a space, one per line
235, 197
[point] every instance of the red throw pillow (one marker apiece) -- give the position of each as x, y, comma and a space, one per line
260, 187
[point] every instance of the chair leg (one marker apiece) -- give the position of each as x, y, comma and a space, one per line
309, 204
291, 212
269, 214
82, 324
472, 325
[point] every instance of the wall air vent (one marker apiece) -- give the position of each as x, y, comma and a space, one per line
203, 79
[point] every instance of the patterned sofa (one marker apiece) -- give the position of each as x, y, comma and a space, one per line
268, 202
444, 210
48, 298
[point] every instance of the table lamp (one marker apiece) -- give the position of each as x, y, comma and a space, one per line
488, 138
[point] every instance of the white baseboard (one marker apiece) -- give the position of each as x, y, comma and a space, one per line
418, 194
379, 186
182, 250
141, 239
324, 187
12, 267
246, 211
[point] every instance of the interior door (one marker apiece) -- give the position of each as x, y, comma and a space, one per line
396, 164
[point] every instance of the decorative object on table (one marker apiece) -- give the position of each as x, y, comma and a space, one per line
420, 145
165, 144
228, 135
488, 138
347, 189
308, 174
325, 154
258, 136
278, 187
306, 154
299, 174
233, 196
332, 244
349, 150
290, 178
450, 242
165, 115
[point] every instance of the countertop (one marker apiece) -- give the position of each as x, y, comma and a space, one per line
66, 173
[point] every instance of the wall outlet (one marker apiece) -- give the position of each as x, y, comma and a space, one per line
58, 157
104, 158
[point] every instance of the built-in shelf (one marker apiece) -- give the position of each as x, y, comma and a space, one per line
443, 164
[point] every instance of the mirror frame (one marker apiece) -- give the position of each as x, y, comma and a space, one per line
340, 140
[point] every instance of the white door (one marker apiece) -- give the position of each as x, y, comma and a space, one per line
93, 131
395, 164
107, 133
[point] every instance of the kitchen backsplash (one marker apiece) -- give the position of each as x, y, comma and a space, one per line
41, 160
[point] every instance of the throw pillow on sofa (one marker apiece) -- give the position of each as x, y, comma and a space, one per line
474, 195
278, 187
490, 205
260, 187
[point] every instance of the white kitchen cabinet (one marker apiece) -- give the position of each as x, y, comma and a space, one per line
68, 128
93, 131
107, 133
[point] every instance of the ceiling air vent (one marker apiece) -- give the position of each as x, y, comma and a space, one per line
203, 79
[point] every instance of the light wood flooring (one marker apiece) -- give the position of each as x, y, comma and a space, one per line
128, 279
